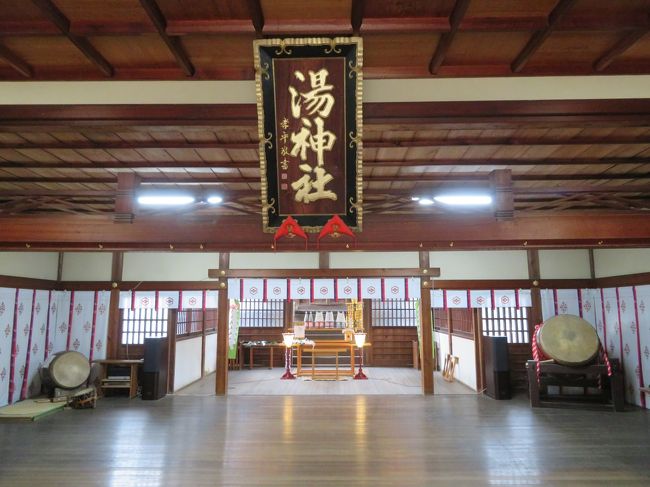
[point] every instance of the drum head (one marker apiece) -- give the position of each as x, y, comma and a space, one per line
69, 370
568, 339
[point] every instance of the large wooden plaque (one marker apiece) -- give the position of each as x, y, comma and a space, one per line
309, 108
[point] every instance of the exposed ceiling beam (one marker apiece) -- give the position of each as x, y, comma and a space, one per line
257, 16
170, 178
356, 16
538, 38
52, 12
619, 48
446, 39
426, 162
173, 43
15, 62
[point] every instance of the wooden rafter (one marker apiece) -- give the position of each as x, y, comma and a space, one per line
15, 62
257, 16
52, 12
356, 16
446, 39
619, 48
173, 43
538, 38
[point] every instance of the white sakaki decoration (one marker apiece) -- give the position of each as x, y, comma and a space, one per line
323, 288
192, 300
481, 299
276, 289
394, 288
371, 288
347, 288
234, 288
300, 288
168, 299
457, 299
505, 298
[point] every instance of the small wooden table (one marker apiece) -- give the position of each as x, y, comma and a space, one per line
326, 347
251, 348
131, 384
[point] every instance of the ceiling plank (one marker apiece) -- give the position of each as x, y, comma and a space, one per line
15, 62
52, 12
173, 43
446, 39
619, 48
538, 38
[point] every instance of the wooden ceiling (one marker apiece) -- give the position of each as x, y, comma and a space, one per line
583, 167
206, 39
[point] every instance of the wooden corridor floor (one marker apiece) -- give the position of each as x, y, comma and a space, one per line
326, 441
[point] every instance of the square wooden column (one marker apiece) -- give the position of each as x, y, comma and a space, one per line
426, 328
223, 308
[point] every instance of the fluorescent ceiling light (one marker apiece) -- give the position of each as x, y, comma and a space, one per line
464, 200
215, 200
165, 200
415, 198
425, 201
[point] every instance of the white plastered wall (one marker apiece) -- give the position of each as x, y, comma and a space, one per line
187, 367
481, 264
168, 266
619, 262
374, 260
564, 264
87, 266
274, 260
35, 265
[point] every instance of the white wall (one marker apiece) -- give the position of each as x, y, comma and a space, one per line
481, 264
87, 266
617, 262
374, 260
168, 266
187, 368
466, 368
36, 265
442, 339
210, 353
564, 264
274, 260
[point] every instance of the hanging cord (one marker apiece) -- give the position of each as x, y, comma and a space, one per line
537, 354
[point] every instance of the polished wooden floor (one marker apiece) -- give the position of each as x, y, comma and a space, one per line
327, 441
381, 381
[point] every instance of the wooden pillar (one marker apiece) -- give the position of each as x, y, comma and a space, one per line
113, 335
478, 349
426, 330
203, 341
450, 330
323, 260
221, 386
59, 269
367, 324
535, 293
592, 266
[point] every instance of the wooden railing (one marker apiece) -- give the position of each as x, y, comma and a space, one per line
194, 322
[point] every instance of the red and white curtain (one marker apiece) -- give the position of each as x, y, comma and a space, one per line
35, 324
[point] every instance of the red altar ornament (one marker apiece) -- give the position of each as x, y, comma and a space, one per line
335, 227
290, 229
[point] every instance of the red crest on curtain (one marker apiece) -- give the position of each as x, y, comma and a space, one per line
335, 227
290, 229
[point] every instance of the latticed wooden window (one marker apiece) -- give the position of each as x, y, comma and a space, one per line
394, 312
140, 323
511, 323
261, 314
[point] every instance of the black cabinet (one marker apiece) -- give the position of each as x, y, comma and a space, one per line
154, 368
497, 368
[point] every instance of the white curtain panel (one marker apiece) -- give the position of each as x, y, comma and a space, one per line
630, 352
7, 305
414, 287
567, 302
437, 298
371, 288
481, 299
548, 303
457, 299
234, 288
643, 312
300, 288
212, 298
525, 299
323, 288
612, 329
394, 288
22, 339
82, 320
276, 289
168, 299
101, 325
145, 299
59, 322
505, 298
347, 288
194, 299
